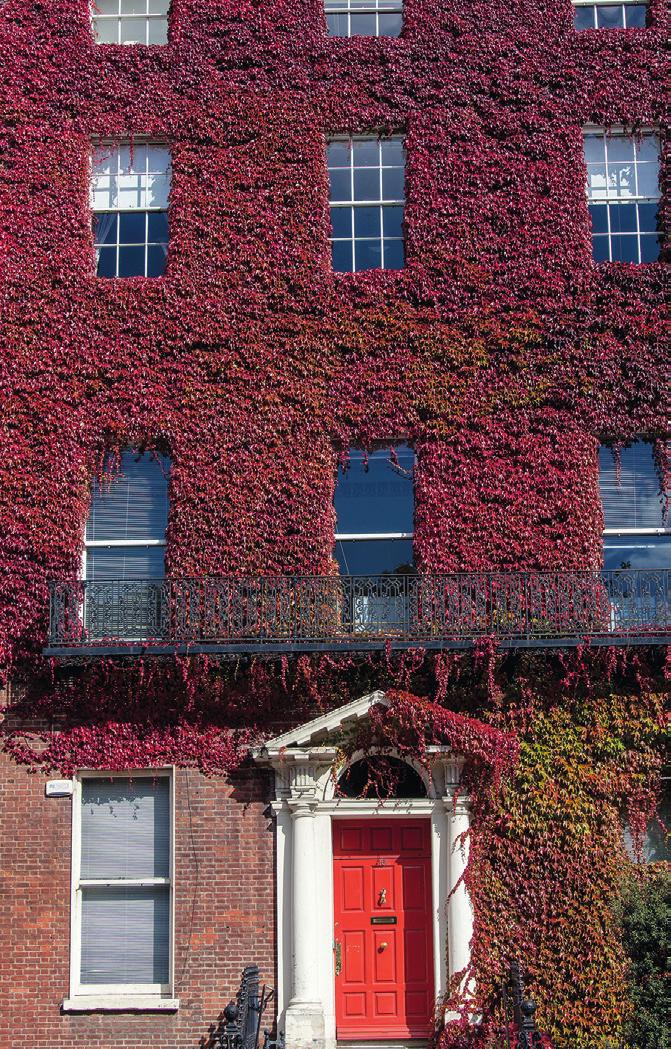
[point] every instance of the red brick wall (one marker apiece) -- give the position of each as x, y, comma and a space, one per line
224, 913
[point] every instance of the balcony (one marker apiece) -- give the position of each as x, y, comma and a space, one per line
226, 615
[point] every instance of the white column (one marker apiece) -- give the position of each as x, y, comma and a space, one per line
459, 908
305, 1012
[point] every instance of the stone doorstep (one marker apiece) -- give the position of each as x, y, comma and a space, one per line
401, 1043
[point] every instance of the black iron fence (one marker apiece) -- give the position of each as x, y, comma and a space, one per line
240, 1027
358, 612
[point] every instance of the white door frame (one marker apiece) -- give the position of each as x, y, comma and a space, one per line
304, 809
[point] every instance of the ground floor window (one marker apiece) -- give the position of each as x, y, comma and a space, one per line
122, 885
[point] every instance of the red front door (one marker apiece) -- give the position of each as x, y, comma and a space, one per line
383, 928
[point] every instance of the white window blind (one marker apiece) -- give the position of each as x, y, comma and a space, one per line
125, 531
632, 500
124, 885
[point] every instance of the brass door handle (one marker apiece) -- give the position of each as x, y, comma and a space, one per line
384, 945
382, 898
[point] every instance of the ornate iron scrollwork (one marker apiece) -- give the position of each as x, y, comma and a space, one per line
516, 607
241, 1026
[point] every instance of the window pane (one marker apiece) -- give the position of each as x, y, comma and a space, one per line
158, 190
132, 227
106, 266
650, 248
393, 152
157, 227
341, 187
622, 218
600, 249
583, 18
374, 495
133, 30
366, 184
366, 152
339, 154
367, 222
621, 179
393, 222
157, 258
131, 262
648, 149
624, 249
106, 7
158, 31
367, 254
363, 24
341, 222
341, 256
644, 551
125, 828
632, 499
393, 183
648, 179
595, 149
636, 16
104, 192
620, 149
599, 216
105, 228
596, 181
375, 556
608, 17
106, 31
125, 935
124, 563
394, 255
133, 504
133, 7
337, 25
390, 24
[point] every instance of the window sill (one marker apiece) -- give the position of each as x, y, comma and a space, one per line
120, 1003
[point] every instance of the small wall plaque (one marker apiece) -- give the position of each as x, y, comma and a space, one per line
384, 919
58, 788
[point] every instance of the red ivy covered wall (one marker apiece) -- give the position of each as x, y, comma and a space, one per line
500, 350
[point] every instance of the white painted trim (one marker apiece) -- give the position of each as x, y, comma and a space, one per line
324, 724
364, 536
637, 531
132, 994
119, 1003
93, 544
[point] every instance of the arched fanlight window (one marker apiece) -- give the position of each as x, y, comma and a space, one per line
380, 777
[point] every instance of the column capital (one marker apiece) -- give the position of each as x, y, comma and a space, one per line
304, 805
457, 804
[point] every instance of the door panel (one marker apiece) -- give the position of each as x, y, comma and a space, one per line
383, 923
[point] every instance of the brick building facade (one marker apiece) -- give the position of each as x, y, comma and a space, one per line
335, 425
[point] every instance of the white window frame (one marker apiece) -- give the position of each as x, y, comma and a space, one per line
148, 17
115, 145
340, 537
636, 531
373, 7
353, 203
620, 131
117, 996
106, 544
611, 3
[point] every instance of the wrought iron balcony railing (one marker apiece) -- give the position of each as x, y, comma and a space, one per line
224, 614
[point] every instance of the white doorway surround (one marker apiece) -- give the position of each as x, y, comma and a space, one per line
303, 761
